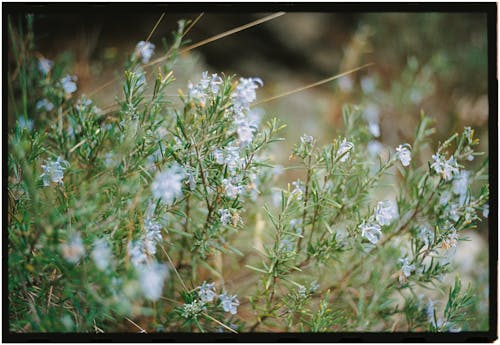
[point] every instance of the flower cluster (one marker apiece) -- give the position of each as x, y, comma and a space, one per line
404, 154
206, 294
385, 213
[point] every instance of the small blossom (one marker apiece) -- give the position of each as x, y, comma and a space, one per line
24, 123
54, 171
367, 84
451, 240
229, 303
306, 139
244, 94
406, 268
206, 292
73, 250
231, 188
137, 252
461, 184
302, 291
152, 236
244, 131
298, 190
145, 51
152, 277
345, 83
296, 224
425, 235
371, 231
344, 150
486, 210
447, 168
374, 129
45, 65
225, 216
445, 198
68, 84
167, 185
286, 245
314, 286
404, 154
230, 156
44, 104
386, 211
101, 254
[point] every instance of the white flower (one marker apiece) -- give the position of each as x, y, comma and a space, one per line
298, 190
193, 309
101, 254
447, 168
344, 150
445, 198
167, 185
451, 239
54, 171
371, 231
461, 184
386, 211
245, 131
367, 84
152, 236
486, 210
244, 94
225, 216
374, 129
230, 156
306, 139
145, 50
314, 286
302, 291
206, 292
426, 235
229, 303
404, 154
152, 277
231, 188
44, 104
45, 65
68, 84
345, 83
73, 250
137, 252
406, 268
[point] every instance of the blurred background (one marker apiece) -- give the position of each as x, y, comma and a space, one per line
431, 62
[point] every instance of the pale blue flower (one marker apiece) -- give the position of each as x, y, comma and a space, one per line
145, 51
53, 171
371, 231
344, 150
404, 154
73, 249
152, 278
206, 292
45, 65
386, 211
44, 104
167, 185
101, 254
68, 84
229, 303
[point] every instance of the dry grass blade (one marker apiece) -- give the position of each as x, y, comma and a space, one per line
156, 25
175, 270
136, 325
323, 81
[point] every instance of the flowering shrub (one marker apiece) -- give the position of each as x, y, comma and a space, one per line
170, 213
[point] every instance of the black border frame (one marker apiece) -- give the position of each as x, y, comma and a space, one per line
488, 8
